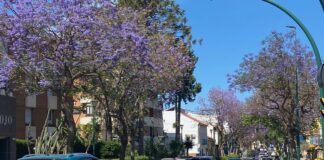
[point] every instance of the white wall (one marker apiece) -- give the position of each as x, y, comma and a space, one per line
190, 127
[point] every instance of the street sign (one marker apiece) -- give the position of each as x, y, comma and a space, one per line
7, 116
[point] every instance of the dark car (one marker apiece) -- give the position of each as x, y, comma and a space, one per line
72, 156
202, 158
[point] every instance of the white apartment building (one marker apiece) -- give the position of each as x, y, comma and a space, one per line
212, 129
190, 127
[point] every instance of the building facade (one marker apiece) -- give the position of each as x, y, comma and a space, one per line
153, 121
31, 113
213, 132
191, 127
7, 128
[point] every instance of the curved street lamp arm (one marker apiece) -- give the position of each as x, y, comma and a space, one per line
302, 26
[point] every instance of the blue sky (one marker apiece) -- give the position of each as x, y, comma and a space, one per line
232, 28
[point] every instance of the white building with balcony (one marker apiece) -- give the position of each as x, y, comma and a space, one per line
191, 127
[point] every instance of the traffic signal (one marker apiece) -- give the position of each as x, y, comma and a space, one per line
322, 102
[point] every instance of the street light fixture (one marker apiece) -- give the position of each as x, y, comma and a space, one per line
297, 103
181, 130
292, 27
94, 105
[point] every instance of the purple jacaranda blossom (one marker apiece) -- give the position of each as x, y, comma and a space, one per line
272, 75
44, 83
53, 39
6, 67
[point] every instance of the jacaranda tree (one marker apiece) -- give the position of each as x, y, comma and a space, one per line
272, 75
62, 45
225, 106
135, 80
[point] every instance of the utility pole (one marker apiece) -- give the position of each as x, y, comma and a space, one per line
297, 109
297, 115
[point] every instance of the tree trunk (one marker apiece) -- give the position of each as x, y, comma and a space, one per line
109, 128
132, 142
179, 118
123, 141
221, 144
123, 135
67, 109
104, 129
141, 136
107, 125
177, 123
177, 114
108, 121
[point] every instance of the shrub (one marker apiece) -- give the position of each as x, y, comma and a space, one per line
79, 146
138, 158
175, 148
155, 149
141, 158
110, 149
22, 148
230, 156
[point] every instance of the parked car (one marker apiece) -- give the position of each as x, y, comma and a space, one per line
202, 158
72, 156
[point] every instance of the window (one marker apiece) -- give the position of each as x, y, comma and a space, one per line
203, 141
89, 109
28, 116
50, 120
151, 110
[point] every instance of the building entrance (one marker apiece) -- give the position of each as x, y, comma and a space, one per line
7, 128
4, 148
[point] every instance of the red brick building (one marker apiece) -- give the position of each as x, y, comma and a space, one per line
31, 112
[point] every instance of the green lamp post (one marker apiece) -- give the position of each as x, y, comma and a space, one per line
315, 49
322, 3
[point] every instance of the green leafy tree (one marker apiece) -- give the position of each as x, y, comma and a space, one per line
155, 149
110, 149
175, 148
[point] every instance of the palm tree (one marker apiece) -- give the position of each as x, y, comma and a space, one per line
188, 144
